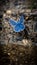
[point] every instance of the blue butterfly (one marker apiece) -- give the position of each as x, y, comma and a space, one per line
17, 25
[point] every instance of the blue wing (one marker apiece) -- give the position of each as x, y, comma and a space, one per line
19, 27
21, 20
12, 22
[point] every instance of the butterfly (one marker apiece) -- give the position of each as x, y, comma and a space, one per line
18, 26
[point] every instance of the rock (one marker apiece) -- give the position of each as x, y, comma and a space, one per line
27, 42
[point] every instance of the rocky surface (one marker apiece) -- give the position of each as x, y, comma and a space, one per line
13, 54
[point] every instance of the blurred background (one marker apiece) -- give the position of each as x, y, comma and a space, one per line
23, 51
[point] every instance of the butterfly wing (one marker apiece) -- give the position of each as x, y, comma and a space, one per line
12, 22
21, 20
19, 27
